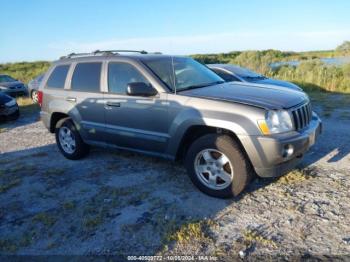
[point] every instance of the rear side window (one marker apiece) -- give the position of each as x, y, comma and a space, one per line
122, 74
58, 77
86, 77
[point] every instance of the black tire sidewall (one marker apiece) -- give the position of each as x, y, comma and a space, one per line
81, 148
226, 145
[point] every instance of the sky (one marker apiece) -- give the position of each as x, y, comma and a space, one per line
34, 30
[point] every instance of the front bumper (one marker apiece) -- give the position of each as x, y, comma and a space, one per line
268, 153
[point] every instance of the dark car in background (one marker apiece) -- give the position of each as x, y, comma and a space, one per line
8, 108
11, 86
33, 87
231, 73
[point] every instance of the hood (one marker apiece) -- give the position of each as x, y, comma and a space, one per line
270, 81
4, 99
11, 84
264, 96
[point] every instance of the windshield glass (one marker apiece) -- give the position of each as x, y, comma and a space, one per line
244, 72
182, 73
6, 78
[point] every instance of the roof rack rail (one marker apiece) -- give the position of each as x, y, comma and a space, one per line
124, 51
106, 52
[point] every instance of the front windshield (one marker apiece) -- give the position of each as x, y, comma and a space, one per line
244, 72
182, 73
6, 78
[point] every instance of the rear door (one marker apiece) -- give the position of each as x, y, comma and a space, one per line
86, 96
139, 123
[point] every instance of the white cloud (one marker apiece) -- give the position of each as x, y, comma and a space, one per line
212, 43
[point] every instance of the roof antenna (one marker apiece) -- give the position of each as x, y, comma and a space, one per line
172, 65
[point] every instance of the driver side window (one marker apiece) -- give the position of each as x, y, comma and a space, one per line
120, 75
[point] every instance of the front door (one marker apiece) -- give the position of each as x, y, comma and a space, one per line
134, 122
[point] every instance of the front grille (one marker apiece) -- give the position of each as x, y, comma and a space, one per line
302, 116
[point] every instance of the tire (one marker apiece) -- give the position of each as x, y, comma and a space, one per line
211, 183
34, 96
79, 150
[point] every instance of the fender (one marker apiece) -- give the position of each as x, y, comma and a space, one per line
238, 124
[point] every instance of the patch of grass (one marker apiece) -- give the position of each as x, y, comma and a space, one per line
68, 205
195, 230
39, 154
2, 130
6, 161
51, 245
54, 171
345, 115
24, 101
93, 221
7, 186
113, 166
22, 168
27, 107
45, 218
7, 245
26, 239
252, 236
296, 176
330, 102
95, 174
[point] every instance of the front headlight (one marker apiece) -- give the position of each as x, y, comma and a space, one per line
11, 103
275, 122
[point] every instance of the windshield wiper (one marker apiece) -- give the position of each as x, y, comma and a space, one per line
201, 85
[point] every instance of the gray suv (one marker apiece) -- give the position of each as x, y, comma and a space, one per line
177, 108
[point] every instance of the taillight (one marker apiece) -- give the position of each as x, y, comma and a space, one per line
40, 98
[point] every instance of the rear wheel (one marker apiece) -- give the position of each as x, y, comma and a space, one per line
69, 141
217, 166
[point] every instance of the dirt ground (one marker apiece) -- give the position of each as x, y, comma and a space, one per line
121, 203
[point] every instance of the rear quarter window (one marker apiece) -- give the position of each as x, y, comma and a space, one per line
86, 77
58, 77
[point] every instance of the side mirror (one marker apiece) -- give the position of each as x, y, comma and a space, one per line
140, 89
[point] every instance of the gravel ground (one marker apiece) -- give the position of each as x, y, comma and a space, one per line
121, 203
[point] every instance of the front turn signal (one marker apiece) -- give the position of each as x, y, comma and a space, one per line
264, 127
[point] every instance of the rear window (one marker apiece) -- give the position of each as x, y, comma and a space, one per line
58, 77
86, 77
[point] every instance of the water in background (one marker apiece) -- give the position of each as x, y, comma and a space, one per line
328, 61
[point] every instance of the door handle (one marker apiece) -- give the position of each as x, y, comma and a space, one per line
114, 104
71, 99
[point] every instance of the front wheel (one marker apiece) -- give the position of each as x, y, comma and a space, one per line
69, 141
217, 166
